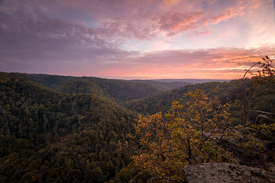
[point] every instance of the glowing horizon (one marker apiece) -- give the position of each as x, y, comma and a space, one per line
151, 39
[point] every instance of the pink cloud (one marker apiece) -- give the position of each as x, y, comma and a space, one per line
175, 23
255, 6
143, 20
178, 22
227, 14
85, 38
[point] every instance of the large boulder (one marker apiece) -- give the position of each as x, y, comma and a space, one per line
225, 173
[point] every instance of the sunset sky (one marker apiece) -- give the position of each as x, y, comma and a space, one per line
136, 39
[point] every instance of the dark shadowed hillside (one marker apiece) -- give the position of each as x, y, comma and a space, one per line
47, 136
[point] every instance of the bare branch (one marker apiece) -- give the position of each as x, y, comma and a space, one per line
248, 70
244, 93
261, 112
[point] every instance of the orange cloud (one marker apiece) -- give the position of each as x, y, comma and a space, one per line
219, 63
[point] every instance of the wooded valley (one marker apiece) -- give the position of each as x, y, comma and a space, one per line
70, 129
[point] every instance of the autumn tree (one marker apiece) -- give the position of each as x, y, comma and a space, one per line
187, 134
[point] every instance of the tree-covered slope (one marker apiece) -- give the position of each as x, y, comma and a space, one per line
259, 98
47, 136
165, 86
116, 90
171, 84
122, 91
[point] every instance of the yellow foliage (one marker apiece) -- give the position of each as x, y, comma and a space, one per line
187, 134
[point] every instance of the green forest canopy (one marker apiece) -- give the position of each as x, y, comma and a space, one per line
67, 129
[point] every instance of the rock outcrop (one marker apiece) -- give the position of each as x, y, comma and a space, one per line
267, 140
225, 173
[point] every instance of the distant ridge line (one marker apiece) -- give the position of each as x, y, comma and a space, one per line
193, 81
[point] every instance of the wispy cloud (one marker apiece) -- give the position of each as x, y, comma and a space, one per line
255, 6
90, 37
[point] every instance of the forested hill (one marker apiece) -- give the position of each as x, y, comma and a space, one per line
115, 90
190, 81
55, 136
165, 86
259, 98
171, 84
48, 136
